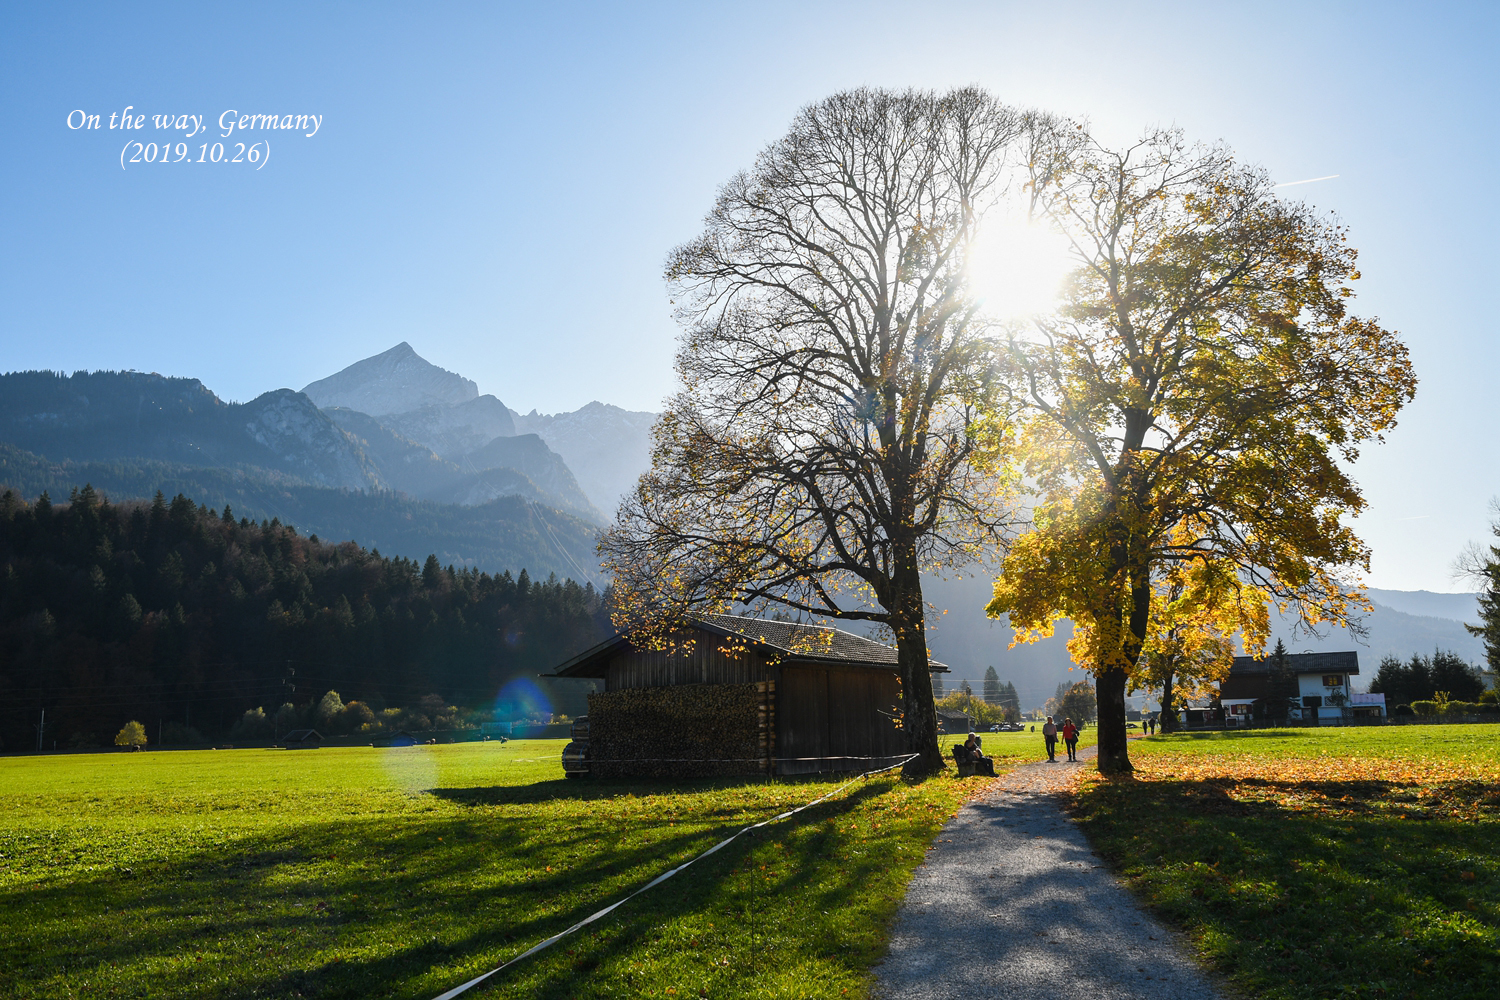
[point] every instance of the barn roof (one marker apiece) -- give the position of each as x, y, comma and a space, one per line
791, 640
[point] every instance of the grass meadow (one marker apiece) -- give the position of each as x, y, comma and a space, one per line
1360, 862
357, 872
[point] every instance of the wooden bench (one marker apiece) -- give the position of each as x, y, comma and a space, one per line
961, 758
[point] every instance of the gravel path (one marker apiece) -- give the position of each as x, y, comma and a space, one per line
1011, 903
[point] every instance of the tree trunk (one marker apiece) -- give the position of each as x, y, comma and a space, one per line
1168, 717
918, 713
1114, 755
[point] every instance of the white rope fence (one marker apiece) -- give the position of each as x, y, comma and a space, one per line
663, 877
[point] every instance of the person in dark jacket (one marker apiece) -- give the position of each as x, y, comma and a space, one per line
1049, 735
982, 764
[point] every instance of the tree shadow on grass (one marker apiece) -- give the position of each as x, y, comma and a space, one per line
599, 789
1301, 888
406, 906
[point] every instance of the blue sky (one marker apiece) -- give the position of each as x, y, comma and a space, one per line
500, 184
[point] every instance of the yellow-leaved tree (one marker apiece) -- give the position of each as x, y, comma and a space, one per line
1187, 416
132, 734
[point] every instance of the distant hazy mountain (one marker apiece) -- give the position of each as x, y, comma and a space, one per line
1462, 607
114, 416
606, 447
529, 455
397, 381
1392, 633
603, 448
417, 399
514, 466
456, 430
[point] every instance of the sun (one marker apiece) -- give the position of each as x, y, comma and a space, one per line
1016, 269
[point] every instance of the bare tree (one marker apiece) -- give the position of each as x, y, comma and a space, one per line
837, 382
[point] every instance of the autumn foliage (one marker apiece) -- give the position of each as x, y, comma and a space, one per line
1187, 415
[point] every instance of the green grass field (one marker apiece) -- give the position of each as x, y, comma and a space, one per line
401, 873
1318, 862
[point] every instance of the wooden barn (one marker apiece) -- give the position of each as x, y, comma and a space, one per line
741, 695
302, 739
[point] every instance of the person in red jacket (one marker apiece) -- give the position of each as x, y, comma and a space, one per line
1070, 738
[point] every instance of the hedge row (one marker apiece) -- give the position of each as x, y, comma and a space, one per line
1454, 708
689, 730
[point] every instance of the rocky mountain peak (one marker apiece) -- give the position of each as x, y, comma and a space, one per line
396, 381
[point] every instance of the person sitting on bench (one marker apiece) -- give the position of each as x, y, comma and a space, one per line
982, 764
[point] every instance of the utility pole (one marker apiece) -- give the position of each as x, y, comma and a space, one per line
41, 727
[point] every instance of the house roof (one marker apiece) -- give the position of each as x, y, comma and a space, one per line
1346, 662
301, 736
1250, 679
791, 640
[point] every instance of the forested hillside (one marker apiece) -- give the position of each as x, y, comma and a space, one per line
181, 613
506, 533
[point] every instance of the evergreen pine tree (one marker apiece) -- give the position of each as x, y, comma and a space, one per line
992, 691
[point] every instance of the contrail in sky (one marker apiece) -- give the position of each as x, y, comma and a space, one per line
1310, 180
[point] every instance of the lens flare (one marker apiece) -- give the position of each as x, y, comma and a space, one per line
519, 699
411, 769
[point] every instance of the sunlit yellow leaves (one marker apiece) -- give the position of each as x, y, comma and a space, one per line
1184, 414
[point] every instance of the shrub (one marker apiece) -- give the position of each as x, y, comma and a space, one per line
328, 709
1490, 697
1425, 707
132, 734
288, 718
252, 725
1402, 710
355, 717
81, 741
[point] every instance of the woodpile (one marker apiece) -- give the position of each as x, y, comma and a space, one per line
688, 730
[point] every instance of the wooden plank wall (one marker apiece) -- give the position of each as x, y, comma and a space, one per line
835, 714
709, 663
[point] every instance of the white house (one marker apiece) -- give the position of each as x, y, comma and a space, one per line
1322, 688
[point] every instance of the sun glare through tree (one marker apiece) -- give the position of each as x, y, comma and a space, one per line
1016, 268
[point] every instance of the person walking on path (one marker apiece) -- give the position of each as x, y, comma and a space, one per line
1070, 739
1049, 734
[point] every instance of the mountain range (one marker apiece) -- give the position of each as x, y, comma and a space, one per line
391, 451
583, 461
396, 453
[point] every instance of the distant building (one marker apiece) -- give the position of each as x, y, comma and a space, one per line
807, 698
1315, 686
954, 723
400, 738
302, 739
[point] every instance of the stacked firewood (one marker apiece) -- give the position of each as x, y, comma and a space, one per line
689, 730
